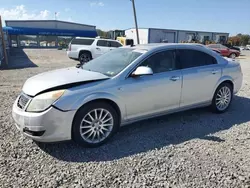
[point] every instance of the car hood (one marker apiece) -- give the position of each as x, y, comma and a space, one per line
59, 77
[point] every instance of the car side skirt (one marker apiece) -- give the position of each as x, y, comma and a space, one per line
203, 104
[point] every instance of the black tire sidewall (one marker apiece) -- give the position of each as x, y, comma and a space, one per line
214, 107
76, 136
86, 54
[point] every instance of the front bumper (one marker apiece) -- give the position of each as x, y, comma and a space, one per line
51, 125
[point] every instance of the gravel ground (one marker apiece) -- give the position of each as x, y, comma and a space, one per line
190, 149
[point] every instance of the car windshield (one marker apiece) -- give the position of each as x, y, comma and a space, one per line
113, 62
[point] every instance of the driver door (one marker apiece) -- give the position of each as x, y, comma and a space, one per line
224, 50
150, 95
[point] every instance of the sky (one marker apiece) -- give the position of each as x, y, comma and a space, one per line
231, 16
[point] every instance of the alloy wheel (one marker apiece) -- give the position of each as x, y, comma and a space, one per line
223, 98
96, 125
233, 56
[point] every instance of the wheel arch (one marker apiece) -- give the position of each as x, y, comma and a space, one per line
107, 100
81, 51
225, 79
106, 97
236, 55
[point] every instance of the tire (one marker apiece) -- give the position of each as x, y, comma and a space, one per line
85, 57
226, 91
84, 126
233, 55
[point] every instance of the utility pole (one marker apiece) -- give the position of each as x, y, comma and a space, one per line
136, 26
3, 43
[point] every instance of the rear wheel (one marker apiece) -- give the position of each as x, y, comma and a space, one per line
233, 55
94, 124
222, 98
84, 57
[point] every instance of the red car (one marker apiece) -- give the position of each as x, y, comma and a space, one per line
224, 51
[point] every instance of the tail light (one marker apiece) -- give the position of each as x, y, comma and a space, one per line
70, 47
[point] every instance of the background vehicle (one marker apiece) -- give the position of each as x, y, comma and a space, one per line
217, 51
122, 87
113, 34
247, 47
33, 44
125, 41
232, 47
85, 49
121, 37
225, 51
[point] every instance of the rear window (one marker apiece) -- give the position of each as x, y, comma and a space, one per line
193, 58
82, 41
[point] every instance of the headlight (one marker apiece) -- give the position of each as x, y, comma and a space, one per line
44, 101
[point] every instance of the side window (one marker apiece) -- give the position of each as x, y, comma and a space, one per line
161, 62
218, 46
108, 43
194, 58
115, 44
118, 44
82, 41
212, 46
102, 43
223, 47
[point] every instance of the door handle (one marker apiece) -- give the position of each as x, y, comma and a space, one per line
215, 71
175, 78
98, 48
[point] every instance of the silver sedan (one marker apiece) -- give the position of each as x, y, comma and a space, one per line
89, 103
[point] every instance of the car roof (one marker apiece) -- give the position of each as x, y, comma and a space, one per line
95, 38
152, 46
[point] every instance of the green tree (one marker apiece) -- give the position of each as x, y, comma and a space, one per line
234, 40
244, 39
102, 33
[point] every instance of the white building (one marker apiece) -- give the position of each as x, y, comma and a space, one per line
155, 35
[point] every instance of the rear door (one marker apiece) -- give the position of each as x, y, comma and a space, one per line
102, 47
200, 73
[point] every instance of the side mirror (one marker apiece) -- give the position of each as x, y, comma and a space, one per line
142, 70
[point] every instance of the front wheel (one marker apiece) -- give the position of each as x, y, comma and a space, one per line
94, 124
222, 98
233, 56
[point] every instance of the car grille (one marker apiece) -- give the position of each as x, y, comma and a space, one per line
22, 101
